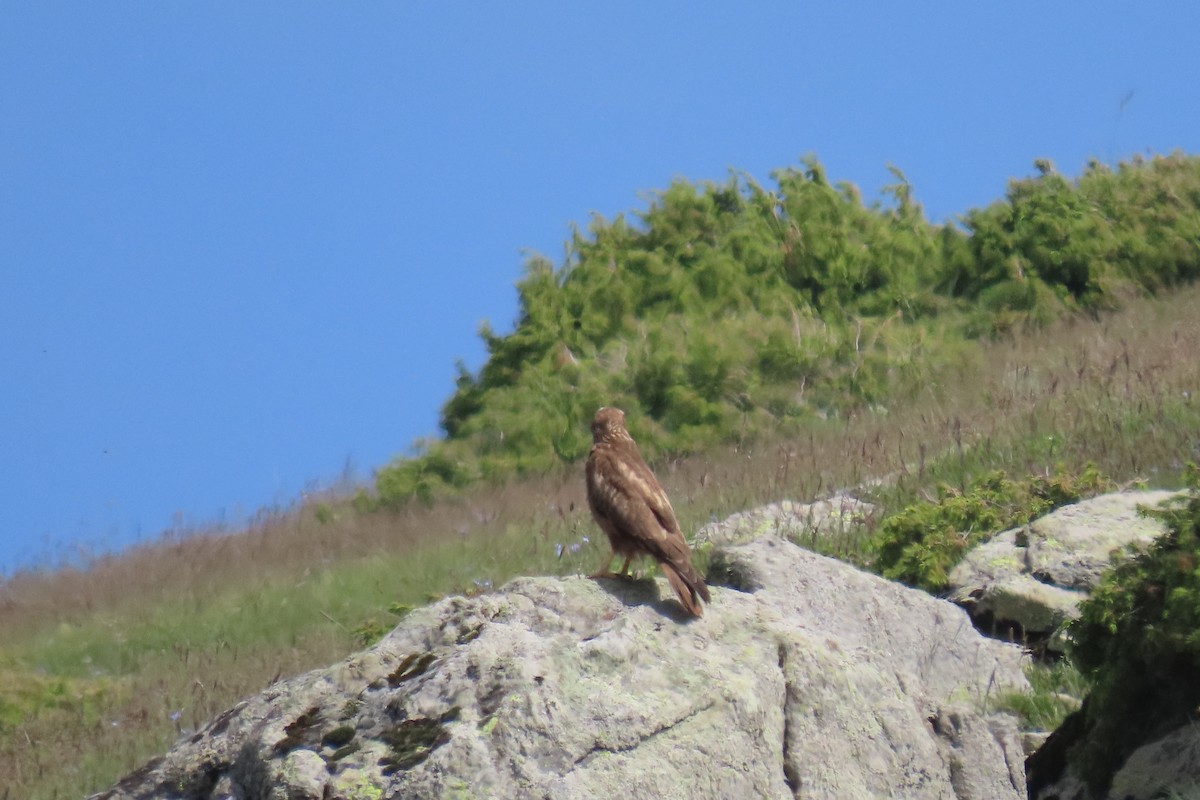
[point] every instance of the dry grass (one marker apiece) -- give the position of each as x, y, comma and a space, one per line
112, 663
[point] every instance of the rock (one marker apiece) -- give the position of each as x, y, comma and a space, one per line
301, 776
1036, 576
1071, 547
821, 682
1031, 741
1166, 768
795, 522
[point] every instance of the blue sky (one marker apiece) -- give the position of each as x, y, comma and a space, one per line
242, 245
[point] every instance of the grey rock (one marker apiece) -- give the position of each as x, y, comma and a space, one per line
795, 522
300, 776
1038, 574
1071, 547
821, 682
1069, 788
1168, 767
1032, 740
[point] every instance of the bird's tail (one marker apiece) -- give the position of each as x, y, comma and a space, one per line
688, 585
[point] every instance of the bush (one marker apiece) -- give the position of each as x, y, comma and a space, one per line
921, 544
1138, 640
732, 309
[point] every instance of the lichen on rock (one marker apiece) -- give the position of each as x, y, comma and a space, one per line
809, 678
1032, 579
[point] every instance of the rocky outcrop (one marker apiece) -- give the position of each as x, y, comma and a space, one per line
1033, 578
1167, 766
791, 521
805, 678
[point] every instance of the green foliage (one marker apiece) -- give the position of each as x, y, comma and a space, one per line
1138, 639
431, 473
1055, 690
27, 695
732, 311
1048, 230
921, 544
372, 629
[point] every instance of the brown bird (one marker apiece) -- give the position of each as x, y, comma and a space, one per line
630, 506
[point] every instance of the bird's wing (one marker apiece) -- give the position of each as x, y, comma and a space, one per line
624, 492
629, 504
651, 490
602, 495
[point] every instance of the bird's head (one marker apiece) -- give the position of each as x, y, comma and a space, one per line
609, 425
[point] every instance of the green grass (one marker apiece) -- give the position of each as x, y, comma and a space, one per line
1055, 691
102, 669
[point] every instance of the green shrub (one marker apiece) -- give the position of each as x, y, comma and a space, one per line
1138, 640
921, 544
733, 310
429, 474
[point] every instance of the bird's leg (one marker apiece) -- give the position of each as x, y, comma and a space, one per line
624, 571
604, 567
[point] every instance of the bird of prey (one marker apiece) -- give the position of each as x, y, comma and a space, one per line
630, 506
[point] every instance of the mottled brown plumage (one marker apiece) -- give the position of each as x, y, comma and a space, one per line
631, 507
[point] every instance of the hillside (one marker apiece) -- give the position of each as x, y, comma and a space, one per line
732, 313
806, 679
813, 343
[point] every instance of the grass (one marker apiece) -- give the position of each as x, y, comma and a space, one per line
103, 668
1055, 690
